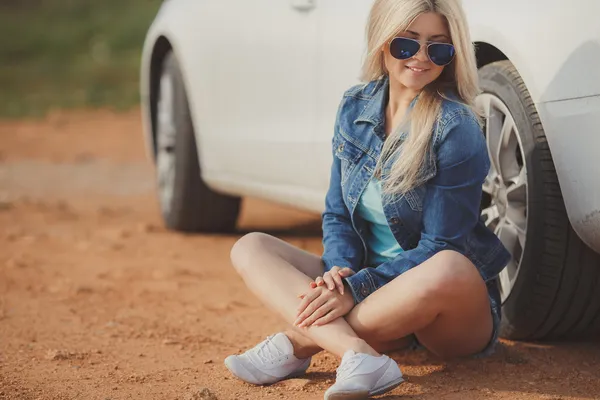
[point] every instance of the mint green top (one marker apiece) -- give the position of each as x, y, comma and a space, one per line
381, 243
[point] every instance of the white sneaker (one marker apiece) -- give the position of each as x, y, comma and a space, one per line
361, 375
268, 362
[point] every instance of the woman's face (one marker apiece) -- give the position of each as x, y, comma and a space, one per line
417, 72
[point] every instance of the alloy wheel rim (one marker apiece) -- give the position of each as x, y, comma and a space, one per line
505, 186
166, 134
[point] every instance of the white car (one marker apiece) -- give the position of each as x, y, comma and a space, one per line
239, 98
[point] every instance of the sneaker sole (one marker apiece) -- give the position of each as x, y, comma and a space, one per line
293, 375
385, 389
231, 369
364, 395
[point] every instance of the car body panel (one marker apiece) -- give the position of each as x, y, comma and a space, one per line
245, 146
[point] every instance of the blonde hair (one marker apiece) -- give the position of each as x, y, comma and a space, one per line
387, 18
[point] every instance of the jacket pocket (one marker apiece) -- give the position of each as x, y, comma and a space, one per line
349, 156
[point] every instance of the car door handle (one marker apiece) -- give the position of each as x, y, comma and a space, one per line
304, 5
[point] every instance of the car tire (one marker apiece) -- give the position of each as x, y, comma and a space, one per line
186, 202
550, 289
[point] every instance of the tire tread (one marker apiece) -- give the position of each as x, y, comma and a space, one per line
563, 283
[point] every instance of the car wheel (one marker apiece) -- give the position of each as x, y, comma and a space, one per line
550, 287
186, 202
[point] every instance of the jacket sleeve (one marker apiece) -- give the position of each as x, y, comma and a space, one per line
342, 246
450, 205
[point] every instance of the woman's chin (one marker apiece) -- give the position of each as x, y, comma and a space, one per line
413, 83
417, 86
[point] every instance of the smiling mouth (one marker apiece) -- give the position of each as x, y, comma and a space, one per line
418, 70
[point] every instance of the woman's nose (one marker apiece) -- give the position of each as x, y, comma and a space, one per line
422, 53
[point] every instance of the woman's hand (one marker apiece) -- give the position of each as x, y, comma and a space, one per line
333, 279
320, 306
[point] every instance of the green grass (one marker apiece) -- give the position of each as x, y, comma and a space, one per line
70, 53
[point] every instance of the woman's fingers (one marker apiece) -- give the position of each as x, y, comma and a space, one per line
329, 280
308, 298
338, 283
319, 281
310, 308
317, 314
346, 272
327, 318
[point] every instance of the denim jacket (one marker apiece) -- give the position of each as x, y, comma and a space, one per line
441, 214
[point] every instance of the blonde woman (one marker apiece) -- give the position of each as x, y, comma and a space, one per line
406, 256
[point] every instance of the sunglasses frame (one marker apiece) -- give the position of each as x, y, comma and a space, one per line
428, 43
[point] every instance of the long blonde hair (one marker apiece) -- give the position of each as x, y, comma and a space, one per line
387, 18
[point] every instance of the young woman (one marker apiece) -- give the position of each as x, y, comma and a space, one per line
406, 256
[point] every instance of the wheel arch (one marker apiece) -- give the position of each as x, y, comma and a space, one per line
487, 53
162, 47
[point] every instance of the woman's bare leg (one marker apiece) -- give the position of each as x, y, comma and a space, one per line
276, 280
443, 301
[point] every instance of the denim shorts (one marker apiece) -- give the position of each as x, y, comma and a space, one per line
495, 309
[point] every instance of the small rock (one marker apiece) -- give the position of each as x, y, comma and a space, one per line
208, 362
55, 355
148, 228
295, 384
169, 342
16, 263
201, 394
116, 246
84, 290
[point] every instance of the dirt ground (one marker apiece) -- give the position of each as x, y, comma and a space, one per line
99, 301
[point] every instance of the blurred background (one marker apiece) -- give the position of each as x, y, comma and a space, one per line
58, 54
99, 301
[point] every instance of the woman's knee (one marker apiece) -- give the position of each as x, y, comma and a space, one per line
451, 274
244, 250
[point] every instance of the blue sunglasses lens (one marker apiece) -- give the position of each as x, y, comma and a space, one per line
402, 48
441, 53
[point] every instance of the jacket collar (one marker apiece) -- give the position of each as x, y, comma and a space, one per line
374, 111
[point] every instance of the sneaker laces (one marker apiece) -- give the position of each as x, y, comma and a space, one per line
267, 349
345, 368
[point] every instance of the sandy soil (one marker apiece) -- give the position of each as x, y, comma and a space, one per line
99, 301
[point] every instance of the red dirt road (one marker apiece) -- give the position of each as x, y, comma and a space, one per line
99, 301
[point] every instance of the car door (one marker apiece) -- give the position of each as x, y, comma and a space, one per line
340, 51
261, 82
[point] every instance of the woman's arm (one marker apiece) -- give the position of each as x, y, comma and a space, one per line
342, 246
450, 206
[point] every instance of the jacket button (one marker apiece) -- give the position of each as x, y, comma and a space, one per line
395, 221
340, 148
364, 290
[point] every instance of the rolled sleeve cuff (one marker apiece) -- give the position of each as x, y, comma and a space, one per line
361, 285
